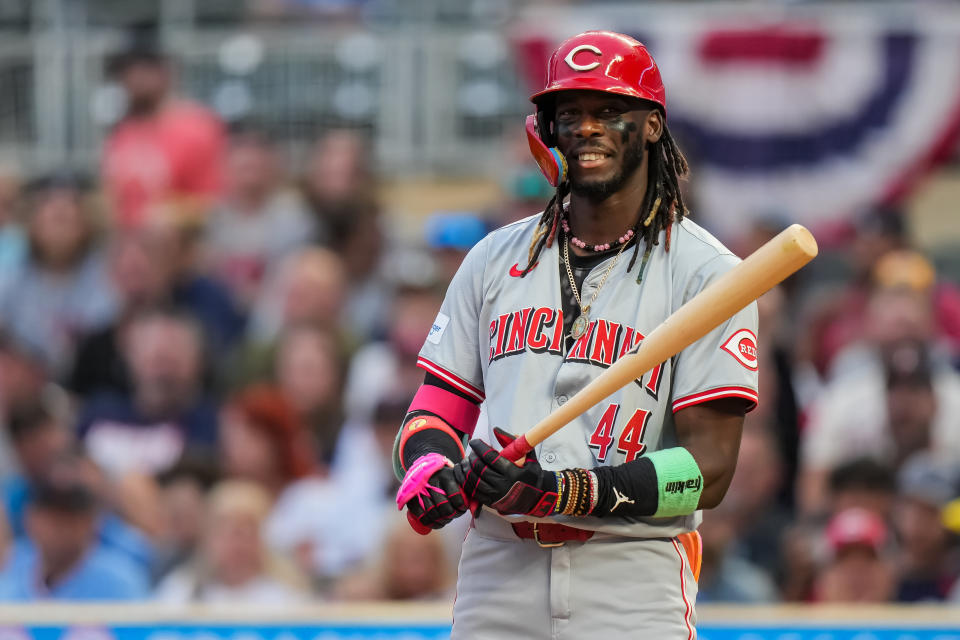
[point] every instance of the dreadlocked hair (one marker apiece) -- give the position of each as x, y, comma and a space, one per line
547, 226
662, 204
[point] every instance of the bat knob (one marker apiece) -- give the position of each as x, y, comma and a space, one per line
419, 528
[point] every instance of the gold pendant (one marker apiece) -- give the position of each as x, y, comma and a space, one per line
580, 326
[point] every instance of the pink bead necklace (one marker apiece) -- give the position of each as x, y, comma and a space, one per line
577, 242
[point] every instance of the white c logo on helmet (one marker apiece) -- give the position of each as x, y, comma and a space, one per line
583, 67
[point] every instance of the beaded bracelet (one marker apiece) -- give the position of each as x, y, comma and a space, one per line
575, 491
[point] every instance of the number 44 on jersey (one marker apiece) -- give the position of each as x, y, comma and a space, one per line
630, 442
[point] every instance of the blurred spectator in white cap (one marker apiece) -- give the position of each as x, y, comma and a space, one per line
60, 559
63, 289
450, 235
257, 222
910, 405
858, 568
164, 158
928, 561
166, 412
233, 564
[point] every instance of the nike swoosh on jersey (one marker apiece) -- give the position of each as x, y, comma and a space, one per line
516, 271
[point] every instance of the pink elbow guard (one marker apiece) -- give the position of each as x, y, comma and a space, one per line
456, 411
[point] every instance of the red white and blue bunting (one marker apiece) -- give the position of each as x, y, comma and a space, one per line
808, 114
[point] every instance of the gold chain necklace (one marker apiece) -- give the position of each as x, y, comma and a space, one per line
583, 320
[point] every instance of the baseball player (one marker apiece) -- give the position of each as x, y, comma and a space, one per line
594, 536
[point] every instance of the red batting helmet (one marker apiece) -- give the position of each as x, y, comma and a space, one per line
597, 61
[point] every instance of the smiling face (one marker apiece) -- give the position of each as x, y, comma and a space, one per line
604, 138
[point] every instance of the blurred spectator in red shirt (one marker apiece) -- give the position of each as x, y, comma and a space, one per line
63, 289
258, 222
166, 413
858, 569
165, 156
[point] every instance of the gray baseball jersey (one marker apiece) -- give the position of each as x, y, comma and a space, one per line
498, 337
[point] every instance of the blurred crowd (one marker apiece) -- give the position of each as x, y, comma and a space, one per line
205, 355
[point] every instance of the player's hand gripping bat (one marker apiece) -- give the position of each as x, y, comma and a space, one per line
758, 273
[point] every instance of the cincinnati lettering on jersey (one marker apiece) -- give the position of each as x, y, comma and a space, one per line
540, 330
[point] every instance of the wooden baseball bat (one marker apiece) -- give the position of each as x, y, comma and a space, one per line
758, 273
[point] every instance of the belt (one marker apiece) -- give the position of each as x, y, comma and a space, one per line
550, 535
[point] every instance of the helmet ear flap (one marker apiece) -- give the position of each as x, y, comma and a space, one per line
545, 128
548, 157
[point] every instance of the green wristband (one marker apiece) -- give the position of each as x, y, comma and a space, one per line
679, 482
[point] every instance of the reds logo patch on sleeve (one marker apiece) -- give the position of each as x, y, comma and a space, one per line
742, 345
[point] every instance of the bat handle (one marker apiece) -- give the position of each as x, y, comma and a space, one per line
517, 449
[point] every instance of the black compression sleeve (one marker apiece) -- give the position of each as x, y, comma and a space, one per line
628, 489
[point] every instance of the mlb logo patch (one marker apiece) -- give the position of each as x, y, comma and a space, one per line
439, 326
